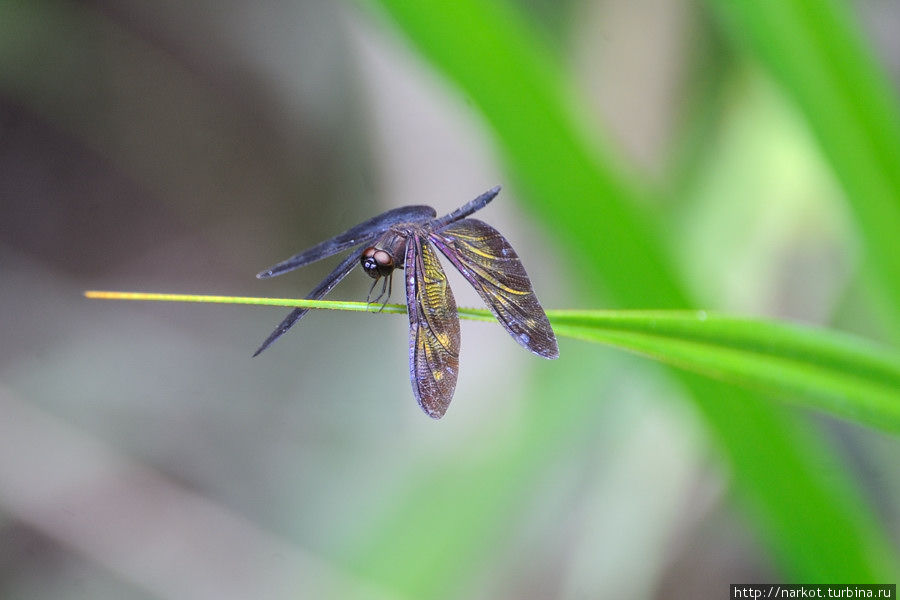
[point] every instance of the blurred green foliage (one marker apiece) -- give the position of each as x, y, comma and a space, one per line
815, 524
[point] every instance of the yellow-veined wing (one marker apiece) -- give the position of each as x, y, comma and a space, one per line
490, 264
433, 328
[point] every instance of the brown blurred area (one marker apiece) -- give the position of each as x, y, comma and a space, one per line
125, 125
183, 147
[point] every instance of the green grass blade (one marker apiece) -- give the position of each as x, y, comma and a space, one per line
473, 314
248, 300
814, 368
815, 50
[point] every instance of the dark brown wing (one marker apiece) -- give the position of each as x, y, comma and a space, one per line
489, 263
433, 328
360, 234
325, 286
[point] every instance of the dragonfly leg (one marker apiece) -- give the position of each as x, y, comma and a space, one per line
381, 293
369, 295
390, 284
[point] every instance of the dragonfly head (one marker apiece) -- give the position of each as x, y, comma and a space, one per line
376, 262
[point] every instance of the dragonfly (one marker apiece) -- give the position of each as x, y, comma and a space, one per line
405, 238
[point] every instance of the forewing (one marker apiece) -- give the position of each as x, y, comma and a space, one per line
433, 328
490, 264
325, 286
361, 234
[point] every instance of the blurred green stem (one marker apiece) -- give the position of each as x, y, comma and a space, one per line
814, 49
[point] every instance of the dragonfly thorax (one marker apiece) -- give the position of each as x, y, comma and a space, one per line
386, 254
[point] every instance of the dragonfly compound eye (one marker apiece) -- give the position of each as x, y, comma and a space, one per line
376, 263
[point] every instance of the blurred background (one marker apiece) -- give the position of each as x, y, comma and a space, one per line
182, 147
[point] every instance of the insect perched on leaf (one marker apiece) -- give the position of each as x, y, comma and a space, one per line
402, 239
